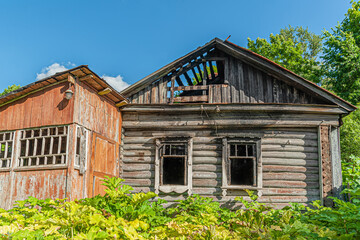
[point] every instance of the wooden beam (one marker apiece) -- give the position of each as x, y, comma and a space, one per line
203, 98
122, 103
179, 82
104, 91
190, 88
71, 79
188, 79
86, 77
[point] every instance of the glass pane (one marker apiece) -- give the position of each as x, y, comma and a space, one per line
232, 150
36, 133
55, 145
31, 147
23, 148
167, 149
63, 145
47, 146
178, 149
241, 150
39, 146
250, 149
41, 160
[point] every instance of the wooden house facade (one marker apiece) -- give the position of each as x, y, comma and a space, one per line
59, 136
223, 119
215, 122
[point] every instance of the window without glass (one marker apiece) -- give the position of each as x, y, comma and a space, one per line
6, 149
80, 151
173, 164
43, 146
242, 164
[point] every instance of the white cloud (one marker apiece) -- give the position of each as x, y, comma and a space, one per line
50, 70
117, 82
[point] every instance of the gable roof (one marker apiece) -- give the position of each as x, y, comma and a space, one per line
81, 72
249, 57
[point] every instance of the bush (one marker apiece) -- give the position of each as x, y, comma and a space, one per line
123, 215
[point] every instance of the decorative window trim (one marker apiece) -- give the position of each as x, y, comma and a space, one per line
81, 151
225, 164
45, 134
7, 139
174, 188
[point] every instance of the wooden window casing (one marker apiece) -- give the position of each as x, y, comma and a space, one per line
6, 149
47, 146
242, 151
81, 149
178, 151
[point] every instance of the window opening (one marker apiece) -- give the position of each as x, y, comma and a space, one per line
242, 164
173, 164
43, 146
6, 148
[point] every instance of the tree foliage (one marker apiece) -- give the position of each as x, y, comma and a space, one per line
10, 89
294, 48
342, 56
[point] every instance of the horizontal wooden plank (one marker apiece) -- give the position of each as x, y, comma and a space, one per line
207, 160
291, 191
206, 183
290, 184
291, 176
201, 98
290, 162
190, 88
290, 155
285, 168
139, 159
137, 167
138, 174
206, 175
288, 148
139, 182
207, 168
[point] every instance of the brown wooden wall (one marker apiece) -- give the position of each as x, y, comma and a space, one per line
289, 151
96, 112
46, 107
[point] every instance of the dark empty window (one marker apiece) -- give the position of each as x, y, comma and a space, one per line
173, 164
242, 164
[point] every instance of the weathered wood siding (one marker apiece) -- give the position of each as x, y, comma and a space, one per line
43, 108
96, 112
243, 83
289, 154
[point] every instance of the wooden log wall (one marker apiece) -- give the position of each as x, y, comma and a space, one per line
289, 155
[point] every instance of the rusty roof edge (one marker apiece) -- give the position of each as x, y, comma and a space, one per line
352, 107
21, 89
162, 71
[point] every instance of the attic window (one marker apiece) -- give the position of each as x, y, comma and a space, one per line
43, 146
173, 165
6, 149
241, 164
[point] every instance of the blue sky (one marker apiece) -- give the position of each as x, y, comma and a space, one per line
127, 40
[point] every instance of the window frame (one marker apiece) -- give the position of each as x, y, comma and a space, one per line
64, 156
83, 133
8, 159
226, 142
167, 188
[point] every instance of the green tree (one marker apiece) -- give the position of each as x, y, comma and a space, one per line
342, 56
296, 49
10, 89
350, 136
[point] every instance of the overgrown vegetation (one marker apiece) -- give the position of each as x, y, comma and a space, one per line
123, 215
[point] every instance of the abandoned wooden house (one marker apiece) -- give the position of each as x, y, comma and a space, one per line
59, 136
215, 122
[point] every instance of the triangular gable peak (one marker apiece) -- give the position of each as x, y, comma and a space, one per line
221, 72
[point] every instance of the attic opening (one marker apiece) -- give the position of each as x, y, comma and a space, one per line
191, 81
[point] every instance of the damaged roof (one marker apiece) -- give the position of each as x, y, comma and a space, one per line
249, 57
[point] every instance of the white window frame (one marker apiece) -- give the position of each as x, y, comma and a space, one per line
10, 141
174, 188
81, 158
226, 141
64, 156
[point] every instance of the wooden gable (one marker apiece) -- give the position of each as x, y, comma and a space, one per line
220, 72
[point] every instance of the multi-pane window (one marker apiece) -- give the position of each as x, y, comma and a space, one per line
173, 164
242, 164
43, 146
6, 149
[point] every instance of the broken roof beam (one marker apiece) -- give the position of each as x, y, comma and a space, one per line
86, 77
121, 103
105, 91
